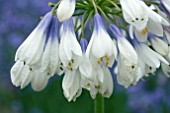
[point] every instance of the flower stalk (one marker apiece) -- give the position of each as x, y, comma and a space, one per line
99, 104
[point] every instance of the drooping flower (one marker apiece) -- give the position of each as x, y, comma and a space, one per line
142, 19
71, 85
86, 68
129, 71
148, 56
159, 45
104, 88
65, 9
38, 54
69, 49
101, 49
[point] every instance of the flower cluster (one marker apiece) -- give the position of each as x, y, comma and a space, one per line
82, 39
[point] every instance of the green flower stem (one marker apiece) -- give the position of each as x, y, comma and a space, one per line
103, 13
99, 104
95, 8
114, 4
54, 8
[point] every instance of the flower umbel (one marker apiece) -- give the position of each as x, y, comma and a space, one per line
132, 35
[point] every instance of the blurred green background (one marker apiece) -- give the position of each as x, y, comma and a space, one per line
17, 19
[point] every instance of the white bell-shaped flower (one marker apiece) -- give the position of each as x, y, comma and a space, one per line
101, 49
104, 88
142, 18
159, 45
148, 56
86, 68
71, 85
69, 49
128, 70
38, 54
66, 9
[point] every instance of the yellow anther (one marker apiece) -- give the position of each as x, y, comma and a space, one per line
72, 61
144, 31
97, 87
69, 64
69, 68
99, 62
88, 84
105, 93
107, 61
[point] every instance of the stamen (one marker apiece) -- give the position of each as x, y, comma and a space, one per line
61, 68
69, 68
105, 93
145, 31
88, 84
30, 69
72, 60
107, 61
133, 66
69, 64
97, 87
100, 61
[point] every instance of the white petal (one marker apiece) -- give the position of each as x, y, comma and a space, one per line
40, 80
86, 68
165, 69
160, 46
65, 9
141, 35
71, 85
20, 74
135, 13
107, 86
155, 28
127, 50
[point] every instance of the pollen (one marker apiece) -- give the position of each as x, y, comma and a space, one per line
72, 60
144, 31
30, 69
69, 63
107, 61
97, 87
69, 68
100, 61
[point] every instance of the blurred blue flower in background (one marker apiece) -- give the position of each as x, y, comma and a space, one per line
17, 19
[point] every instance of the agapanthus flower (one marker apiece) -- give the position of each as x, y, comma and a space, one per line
69, 49
105, 87
101, 49
84, 46
142, 18
86, 68
159, 45
148, 56
71, 85
129, 71
37, 58
66, 9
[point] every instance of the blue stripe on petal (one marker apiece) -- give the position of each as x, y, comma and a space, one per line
83, 44
98, 23
45, 22
68, 25
53, 30
116, 32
